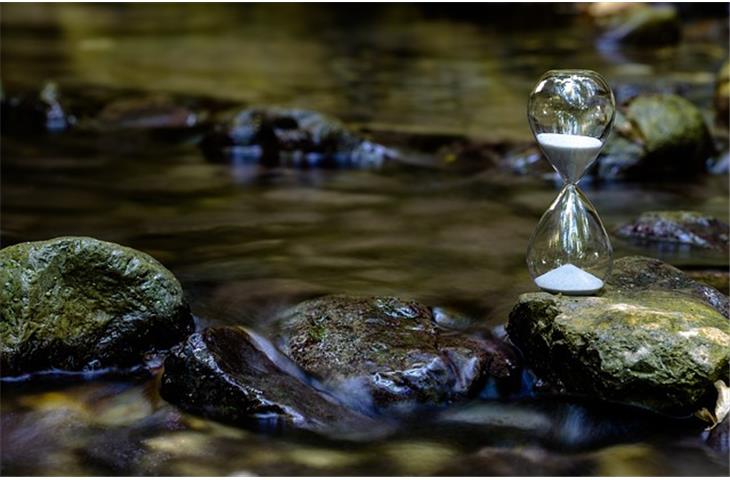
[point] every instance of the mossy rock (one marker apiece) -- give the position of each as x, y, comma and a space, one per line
668, 121
77, 303
391, 351
656, 136
654, 338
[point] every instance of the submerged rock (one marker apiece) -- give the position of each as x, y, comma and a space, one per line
77, 303
297, 137
389, 351
33, 113
150, 112
656, 136
643, 25
682, 227
222, 374
654, 338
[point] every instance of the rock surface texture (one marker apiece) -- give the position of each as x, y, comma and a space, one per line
391, 351
221, 373
77, 303
653, 338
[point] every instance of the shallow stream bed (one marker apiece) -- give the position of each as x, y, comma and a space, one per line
248, 241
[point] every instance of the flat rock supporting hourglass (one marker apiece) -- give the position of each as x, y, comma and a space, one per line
571, 155
569, 279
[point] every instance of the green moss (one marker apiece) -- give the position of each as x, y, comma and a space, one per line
75, 302
669, 122
659, 344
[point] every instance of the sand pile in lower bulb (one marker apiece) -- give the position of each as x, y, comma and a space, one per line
569, 279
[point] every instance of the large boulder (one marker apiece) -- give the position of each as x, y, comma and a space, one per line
77, 303
680, 227
296, 137
222, 373
390, 351
653, 338
656, 136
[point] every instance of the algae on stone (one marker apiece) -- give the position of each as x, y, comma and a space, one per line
654, 338
383, 350
656, 136
77, 303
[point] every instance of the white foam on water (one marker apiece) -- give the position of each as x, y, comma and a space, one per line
570, 154
569, 279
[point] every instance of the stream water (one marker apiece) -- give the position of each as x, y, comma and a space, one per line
248, 241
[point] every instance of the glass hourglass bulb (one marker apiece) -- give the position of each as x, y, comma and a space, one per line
570, 113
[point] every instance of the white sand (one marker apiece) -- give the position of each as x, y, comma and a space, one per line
570, 154
569, 279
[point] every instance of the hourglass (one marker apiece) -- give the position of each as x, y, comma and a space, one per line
570, 113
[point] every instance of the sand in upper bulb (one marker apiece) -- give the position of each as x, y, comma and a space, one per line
569, 279
569, 154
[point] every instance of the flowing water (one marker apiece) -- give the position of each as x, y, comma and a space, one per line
248, 241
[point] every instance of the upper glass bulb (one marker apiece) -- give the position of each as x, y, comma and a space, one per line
571, 113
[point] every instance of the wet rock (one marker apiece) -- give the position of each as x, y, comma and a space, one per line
722, 96
151, 112
391, 351
643, 26
656, 136
222, 374
654, 338
682, 227
644, 273
33, 113
296, 137
77, 303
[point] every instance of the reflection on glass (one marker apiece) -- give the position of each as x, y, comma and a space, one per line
570, 113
